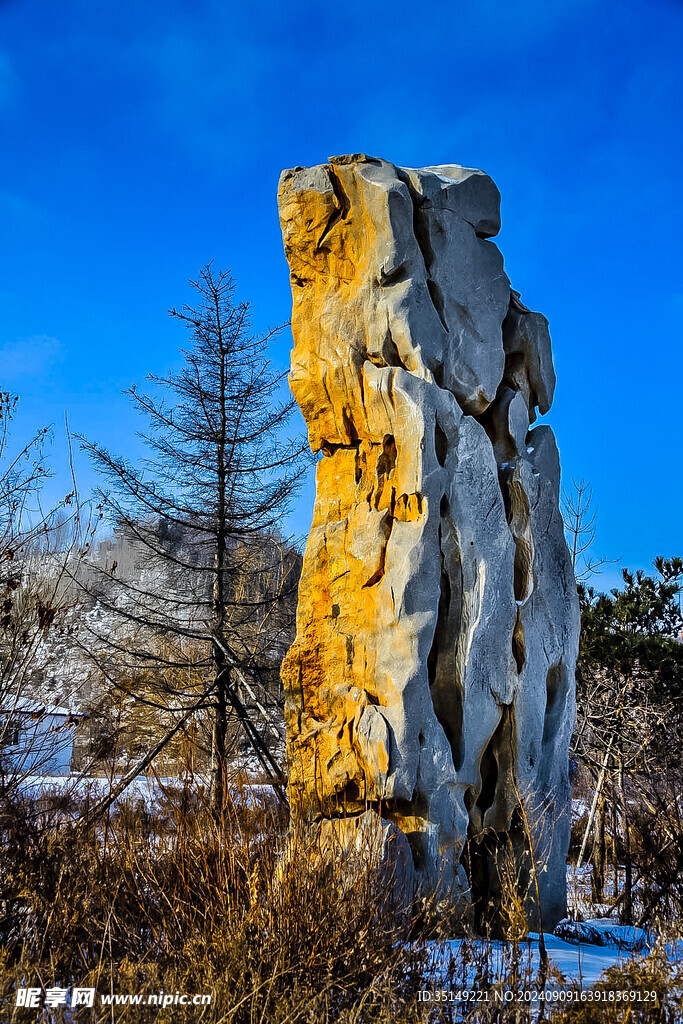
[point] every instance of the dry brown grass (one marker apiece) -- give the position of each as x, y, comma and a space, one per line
135, 903
178, 901
654, 975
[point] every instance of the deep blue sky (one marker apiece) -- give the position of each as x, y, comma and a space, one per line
140, 140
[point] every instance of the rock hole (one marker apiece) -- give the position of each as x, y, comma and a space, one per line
352, 792
444, 687
485, 419
358, 472
454, 731
349, 650
391, 353
518, 517
436, 296
488, 769
387, 460
384, 493
329, 448
492, 819
395, 276
555, 692
442, 616
349, 426
440, 443
497, 768
338, 189
445, 595
518, 643
385, 464
523, 568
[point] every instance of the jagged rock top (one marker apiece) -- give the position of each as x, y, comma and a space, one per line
434, 294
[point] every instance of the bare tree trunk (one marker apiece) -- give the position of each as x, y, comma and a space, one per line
615, 842
627, 912
221, 670
218, 751
594, 805
598, 856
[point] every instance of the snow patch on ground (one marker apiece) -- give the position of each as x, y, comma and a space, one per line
580, 964
604, 932
144, 789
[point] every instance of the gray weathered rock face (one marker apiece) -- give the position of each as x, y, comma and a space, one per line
432, 677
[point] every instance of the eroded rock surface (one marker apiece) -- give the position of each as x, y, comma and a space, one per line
431, 680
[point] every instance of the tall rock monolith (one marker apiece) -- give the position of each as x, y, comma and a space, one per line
432, 676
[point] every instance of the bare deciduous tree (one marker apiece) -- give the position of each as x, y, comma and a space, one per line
36, 547
579, 516
204, 508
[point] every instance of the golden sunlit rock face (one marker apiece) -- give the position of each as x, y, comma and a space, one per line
431, 680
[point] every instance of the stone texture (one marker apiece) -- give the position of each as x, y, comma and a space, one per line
431, 680
366, 849
364, 856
